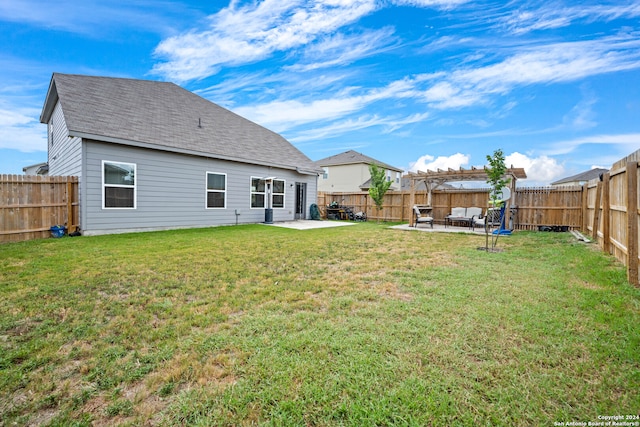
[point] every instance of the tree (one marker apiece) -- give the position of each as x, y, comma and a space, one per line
379, 186
496, 179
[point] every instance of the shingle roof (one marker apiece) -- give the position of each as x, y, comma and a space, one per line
582, 177
352, 157
163, 115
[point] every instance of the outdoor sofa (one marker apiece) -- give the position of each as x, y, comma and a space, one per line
464, 215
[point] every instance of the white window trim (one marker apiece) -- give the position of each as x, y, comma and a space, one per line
135, 184
251, 192
284, 194
207, 190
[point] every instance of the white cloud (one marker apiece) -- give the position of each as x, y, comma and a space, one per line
265, 85
554, 63
313, 32
551, 16
94, 17
389, 125
21, 104
20, 131
240, 35
428, 162
340, 49
581, 115
393, 124
631, 142
542, 64
13, 118
282, 115
445, 95
481, 123
540, 170
467, 86
335, 129
443, 4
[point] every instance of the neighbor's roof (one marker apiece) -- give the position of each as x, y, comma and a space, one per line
39, 165
582, 177
164, 116
353, 157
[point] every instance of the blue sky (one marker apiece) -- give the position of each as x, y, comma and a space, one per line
418, 84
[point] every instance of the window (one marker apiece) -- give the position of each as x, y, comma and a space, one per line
216, 190
259, 193
325, 174
277, 197
51, 133
118, 185
388, 175
397, 177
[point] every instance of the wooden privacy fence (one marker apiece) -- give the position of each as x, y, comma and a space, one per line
607, 209
535, 206
30, 205
612, 213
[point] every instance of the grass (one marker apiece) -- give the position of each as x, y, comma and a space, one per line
353, 326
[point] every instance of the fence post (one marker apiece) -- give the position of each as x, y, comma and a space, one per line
596, 211
606, 213
412, 201
632, 223
404, 205
585, 207
70, 227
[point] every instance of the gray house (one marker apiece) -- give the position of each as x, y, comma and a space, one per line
151, 155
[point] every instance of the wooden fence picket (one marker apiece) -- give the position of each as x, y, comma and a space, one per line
30, 205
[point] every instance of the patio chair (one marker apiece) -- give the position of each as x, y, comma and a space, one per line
422, 219
480, 221
474, 213
490, 219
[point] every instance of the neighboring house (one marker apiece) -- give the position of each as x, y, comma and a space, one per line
580, 178
151, 155
349, 172
37, 169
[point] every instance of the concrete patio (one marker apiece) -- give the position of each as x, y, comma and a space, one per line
439, 228
305, 224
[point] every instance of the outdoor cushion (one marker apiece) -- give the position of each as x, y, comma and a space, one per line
467, 215
474, 212
422, 218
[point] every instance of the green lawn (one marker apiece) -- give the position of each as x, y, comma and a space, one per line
351, 326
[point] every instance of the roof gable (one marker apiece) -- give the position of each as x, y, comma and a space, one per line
582, 176
165, 116
353, 157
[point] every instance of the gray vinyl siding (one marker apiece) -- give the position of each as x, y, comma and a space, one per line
312, 193
64, 153
171, 191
